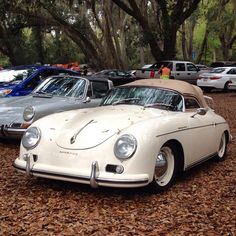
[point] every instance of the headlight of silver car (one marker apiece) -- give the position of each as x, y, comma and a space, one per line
31, 138
5, 92
28, 113
125, 146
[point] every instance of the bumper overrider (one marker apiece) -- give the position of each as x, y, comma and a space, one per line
95, 178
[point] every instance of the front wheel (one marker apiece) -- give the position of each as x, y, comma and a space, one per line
221, 154
165, 169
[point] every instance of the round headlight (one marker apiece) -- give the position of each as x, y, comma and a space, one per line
125, 146
5, 92
28, 113
31, 138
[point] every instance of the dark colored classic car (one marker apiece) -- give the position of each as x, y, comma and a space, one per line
20, 81
55, 94
118, 77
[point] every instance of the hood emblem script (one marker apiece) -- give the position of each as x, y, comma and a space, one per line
73, 138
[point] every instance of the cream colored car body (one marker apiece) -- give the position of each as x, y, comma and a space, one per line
96, 131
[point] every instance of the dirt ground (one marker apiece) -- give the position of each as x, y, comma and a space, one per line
202, 202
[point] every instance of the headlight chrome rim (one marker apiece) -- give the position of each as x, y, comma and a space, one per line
29, 113
31, 138
125, 147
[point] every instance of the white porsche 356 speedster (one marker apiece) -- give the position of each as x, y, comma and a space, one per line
144, 132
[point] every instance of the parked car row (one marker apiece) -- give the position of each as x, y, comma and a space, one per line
86, 130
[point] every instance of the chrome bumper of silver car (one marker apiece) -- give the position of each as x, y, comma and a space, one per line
8, 132
94, 180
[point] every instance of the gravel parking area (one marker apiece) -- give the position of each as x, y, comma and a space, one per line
202, 202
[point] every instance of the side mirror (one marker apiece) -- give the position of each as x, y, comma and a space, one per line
200, 111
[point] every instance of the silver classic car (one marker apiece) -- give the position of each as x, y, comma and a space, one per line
55, 94
143, 133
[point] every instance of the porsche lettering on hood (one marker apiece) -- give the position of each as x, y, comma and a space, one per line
83, 132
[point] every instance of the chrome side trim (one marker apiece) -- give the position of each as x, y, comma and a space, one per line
184, 129
200, 161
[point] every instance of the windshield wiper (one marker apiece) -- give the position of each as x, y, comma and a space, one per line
169, 106
125, 100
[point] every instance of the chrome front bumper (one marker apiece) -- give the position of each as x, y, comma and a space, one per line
95, 179
8, 132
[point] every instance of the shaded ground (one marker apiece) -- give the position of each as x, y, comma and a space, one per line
202, 202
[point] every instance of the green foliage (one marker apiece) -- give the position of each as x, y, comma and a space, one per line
90, 31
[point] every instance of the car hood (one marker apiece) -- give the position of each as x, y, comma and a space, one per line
12, 108
24, 101
92, 127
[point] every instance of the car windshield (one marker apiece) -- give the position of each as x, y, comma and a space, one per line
62, 86
146, 97
102, 72
15, 76
217, 70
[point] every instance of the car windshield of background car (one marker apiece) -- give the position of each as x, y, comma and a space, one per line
217, 70
15, 76
63, 86
145, 96
162, 63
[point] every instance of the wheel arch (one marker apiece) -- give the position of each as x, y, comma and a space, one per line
180, 152
227, 136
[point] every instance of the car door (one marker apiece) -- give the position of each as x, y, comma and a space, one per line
180, 72
192, 73
201, 133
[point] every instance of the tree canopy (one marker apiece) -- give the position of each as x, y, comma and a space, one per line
116, 33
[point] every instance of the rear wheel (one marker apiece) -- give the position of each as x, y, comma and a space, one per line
165, 168
226, 87
221, 154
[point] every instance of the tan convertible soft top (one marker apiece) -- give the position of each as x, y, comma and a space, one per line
182, 87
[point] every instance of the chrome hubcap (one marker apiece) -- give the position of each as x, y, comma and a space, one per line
161, 165
164, 166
